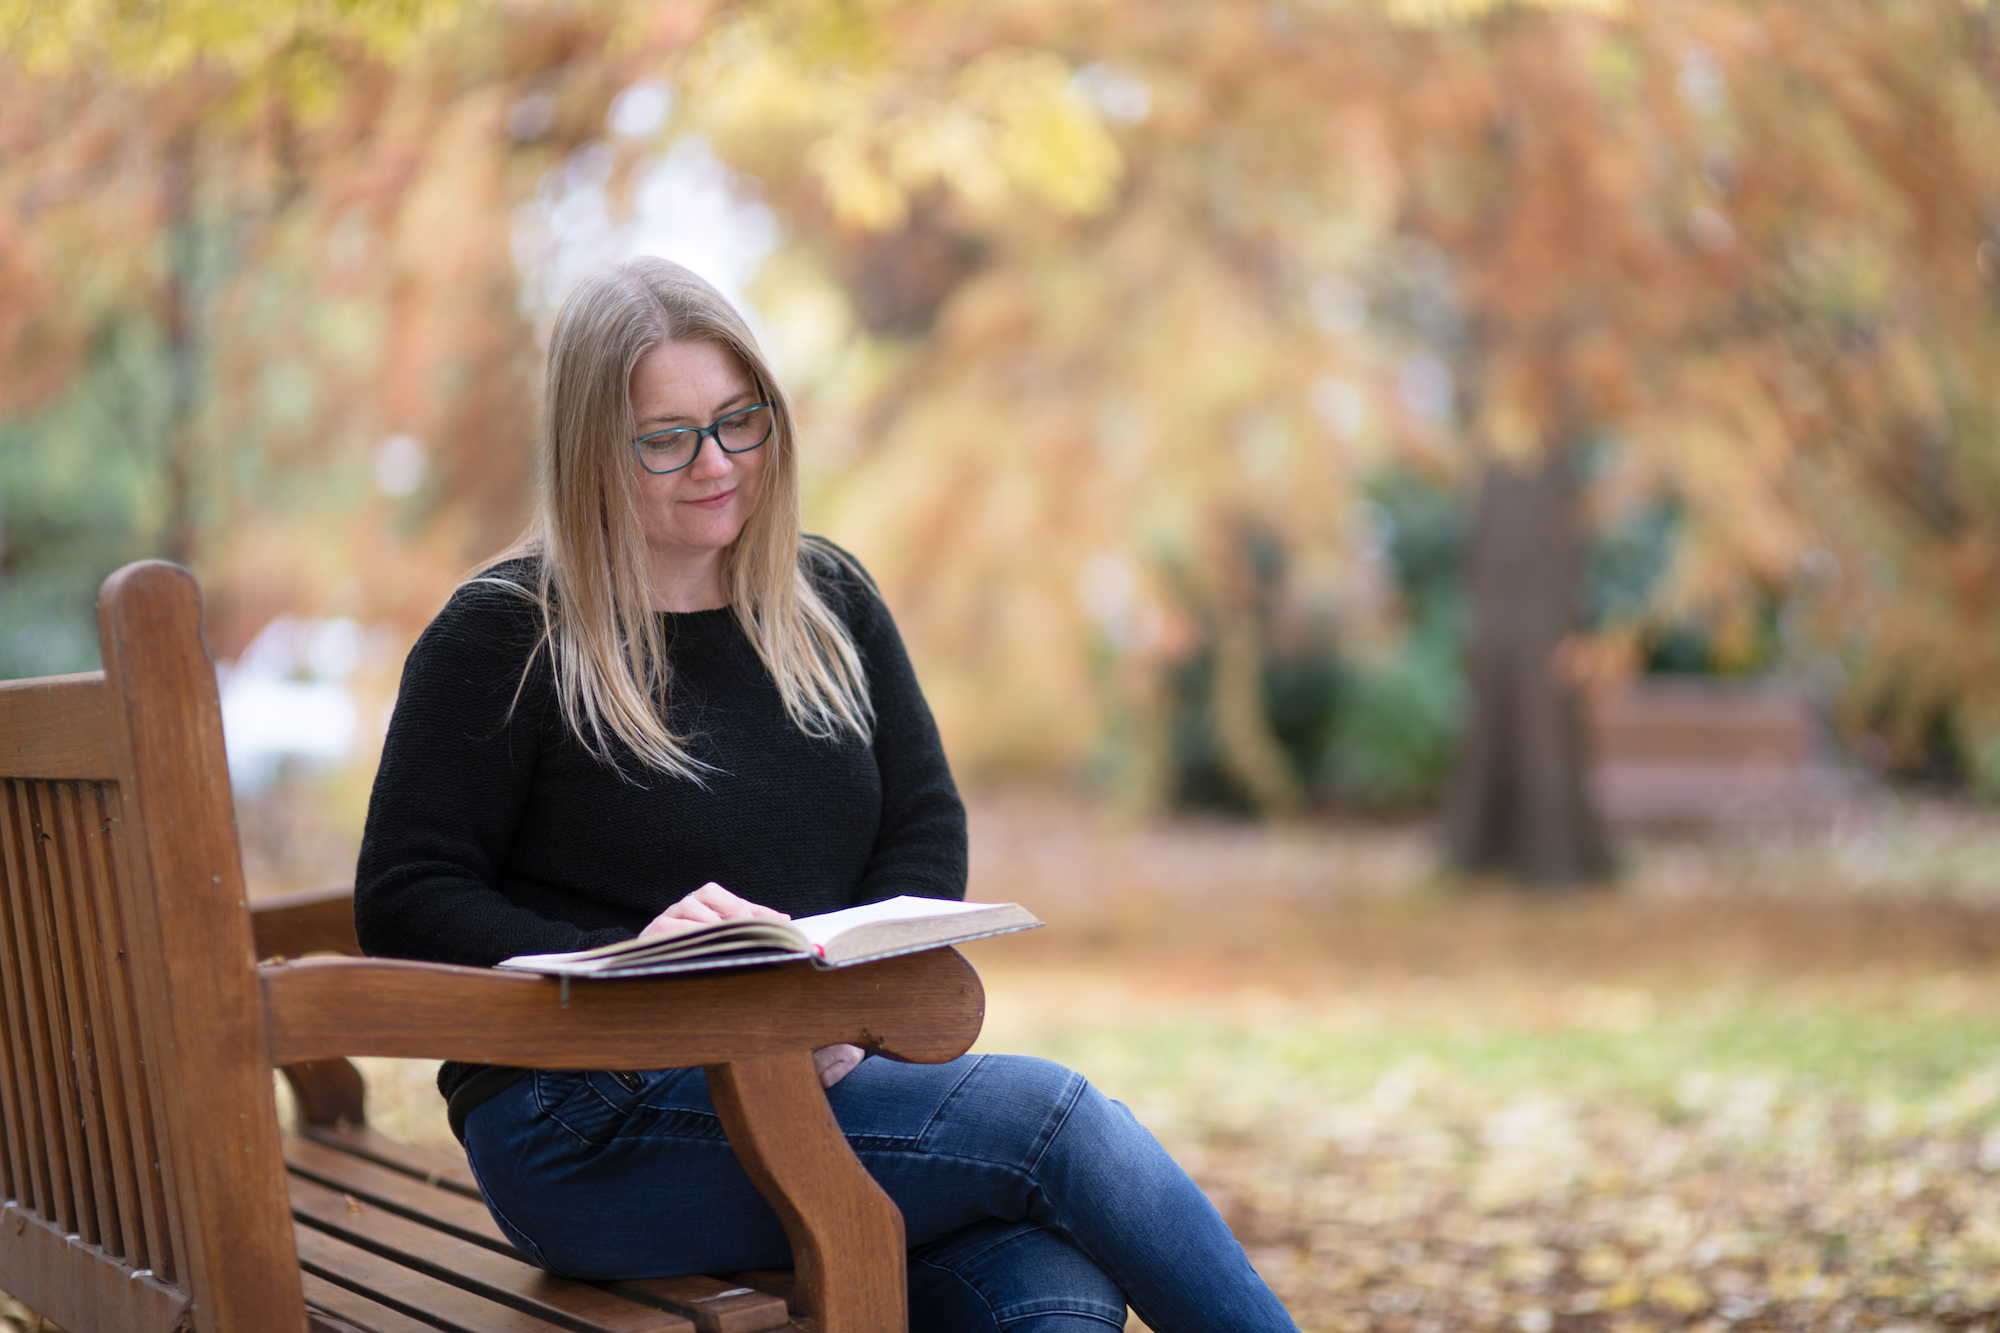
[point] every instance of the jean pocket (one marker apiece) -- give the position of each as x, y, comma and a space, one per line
591, 1104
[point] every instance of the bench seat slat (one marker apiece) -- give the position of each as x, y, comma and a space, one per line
351, 1307
780, 1282
411, 1293
446, 1170
714, 1305
573, 1304
445, 1210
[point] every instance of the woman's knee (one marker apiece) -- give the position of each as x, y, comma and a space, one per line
1010, 1277
999, 1109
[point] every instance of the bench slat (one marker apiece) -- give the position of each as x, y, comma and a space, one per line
412, 1293
780, 1282
56, 727
445, 1210
308, 921
714, 1305
576, 1305
352, 1307
446, 1170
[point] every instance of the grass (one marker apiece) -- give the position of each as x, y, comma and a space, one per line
1758, 1088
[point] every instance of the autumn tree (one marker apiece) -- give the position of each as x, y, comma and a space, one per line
1104, 318
287, 229
1633, 204
1576, 227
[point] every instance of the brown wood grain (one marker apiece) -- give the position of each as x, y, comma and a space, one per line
59, 1003
292, 925
780, 1282
30, 1183
78, 1286
446, 1210
55, 727
319, 1321
444, 1168
355, 1311
328, 1092
87, 870
924, 1007
14, 1161
187, 902
46, 1086
508, 1279
846, 1234
138, 1072
61, 819
439, 1304
715, 1306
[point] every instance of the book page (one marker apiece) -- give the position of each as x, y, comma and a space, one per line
853, 934
740, 933
824, 927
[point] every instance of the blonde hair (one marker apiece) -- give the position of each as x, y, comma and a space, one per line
606, 649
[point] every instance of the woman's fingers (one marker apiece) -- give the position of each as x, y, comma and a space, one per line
712, 902
664, 924
835, 1063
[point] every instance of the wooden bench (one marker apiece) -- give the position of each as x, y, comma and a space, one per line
1699, 751
147, 1185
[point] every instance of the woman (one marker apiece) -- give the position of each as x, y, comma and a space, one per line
665, 707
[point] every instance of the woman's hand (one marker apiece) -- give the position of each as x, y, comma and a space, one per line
710, 902
835, 1063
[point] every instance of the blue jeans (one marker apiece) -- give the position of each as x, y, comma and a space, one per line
1032, 1202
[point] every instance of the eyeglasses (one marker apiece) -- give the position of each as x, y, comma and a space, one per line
741, 431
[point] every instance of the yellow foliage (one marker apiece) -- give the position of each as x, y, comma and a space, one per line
1005, 125
1735, 243
153, 42
1043, 137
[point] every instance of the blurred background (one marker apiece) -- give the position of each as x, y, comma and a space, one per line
1454, 544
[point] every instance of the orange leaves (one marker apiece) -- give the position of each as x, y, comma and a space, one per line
1092, 287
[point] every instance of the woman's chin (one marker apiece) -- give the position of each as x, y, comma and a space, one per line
698, 541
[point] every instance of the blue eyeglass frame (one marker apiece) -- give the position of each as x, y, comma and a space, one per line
712, 431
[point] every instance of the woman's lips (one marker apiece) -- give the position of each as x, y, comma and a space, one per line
713, 501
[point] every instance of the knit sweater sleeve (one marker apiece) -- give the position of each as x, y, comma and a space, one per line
920, 847
456, 771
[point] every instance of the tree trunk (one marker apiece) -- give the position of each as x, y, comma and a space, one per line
1519, 802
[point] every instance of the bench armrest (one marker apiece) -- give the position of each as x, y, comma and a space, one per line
923, 1007
753, 1031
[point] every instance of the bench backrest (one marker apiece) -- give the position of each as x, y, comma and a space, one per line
1715, 723
139, 1150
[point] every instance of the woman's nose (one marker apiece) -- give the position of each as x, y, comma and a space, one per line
711, 461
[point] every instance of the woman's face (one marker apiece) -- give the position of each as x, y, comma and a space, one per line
691, 515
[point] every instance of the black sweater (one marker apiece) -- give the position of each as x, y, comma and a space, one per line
493, 832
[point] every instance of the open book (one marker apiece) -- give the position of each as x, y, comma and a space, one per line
834, 939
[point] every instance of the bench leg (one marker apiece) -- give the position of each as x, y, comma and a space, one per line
846, 1234
328, 1092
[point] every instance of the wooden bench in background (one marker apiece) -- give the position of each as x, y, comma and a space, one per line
147, 1185
1697, 751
